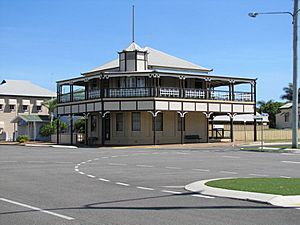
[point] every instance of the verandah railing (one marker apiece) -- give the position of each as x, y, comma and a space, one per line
164, 92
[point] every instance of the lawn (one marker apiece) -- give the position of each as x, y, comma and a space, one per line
278, 186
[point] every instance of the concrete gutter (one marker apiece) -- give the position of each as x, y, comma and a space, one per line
278, 200
53, 146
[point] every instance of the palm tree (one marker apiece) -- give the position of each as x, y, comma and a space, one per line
51, 106
288, 92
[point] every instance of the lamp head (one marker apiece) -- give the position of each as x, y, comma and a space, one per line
252, 14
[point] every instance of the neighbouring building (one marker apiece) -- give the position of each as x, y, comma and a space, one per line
284, 117
21, 109
146, 96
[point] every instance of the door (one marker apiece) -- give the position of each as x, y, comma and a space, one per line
107, 127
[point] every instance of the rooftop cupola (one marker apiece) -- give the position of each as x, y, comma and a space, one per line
133, 58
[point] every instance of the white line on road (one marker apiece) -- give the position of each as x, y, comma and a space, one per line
96, 158
284, 177
36, 161
145, 188
293, 162
117, 164
173, 186
81, 172
37, 209
105, 180
63, 162
231, 157
147, 166
104, 157
91, 176
258, 175
287, 154
123, 184
76, 170
228, 172
202, 170
172, 192
8, 161
202, 196
173, 168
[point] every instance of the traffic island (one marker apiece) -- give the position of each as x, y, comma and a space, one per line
283, 192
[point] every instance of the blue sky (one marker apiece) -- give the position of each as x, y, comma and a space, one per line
48, 40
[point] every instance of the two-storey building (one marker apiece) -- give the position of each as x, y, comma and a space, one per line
21, 98
146, 96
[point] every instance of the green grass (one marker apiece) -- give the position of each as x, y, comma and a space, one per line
278, 186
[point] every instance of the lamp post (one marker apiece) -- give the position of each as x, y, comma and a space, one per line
294, 16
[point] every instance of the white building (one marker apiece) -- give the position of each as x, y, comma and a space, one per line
21, 97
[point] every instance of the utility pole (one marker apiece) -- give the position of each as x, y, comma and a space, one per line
295, 77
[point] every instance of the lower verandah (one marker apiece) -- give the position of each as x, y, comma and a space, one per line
131, 128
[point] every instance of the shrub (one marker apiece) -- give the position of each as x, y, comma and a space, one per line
50, 128
22, 139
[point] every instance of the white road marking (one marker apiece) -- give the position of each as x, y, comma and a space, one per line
287, 154
105, 157
105, 180
202, 196
96, 158
36, 161
81, 172
228, 172
89, 160
182, 153
293, 162
76, 170
173, 168
171, 192
258, 175
63, 162
173, 186
91, 176
123, 184
231, 157
82, 162
117, 164
37, 209
145, 188
202, 170
8, 161
147, 166
284, 177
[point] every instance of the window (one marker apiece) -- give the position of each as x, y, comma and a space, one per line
25, 108
286, 117
12, 107
39, 108
140, 81
136, 121
179, 122
1, 107
119, 122
159, 121
93, 122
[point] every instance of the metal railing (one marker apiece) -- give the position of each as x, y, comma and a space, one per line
127, 92
165, 92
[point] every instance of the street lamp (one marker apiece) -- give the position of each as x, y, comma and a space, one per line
295, 67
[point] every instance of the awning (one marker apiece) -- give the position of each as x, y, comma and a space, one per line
32, 118
2, 101
1, 125
39, 102
25, 102
12, 101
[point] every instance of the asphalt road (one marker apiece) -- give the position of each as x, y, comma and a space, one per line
133, 186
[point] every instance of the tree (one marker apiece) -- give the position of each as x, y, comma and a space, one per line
80, 125
272, 108
51, 106
289, 93
50, 128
